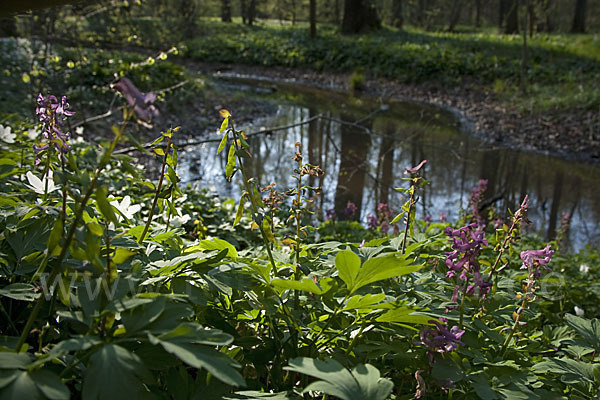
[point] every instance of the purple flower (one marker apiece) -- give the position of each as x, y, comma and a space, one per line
475, 199
442, 339
414, 170
466, 245
350, 209
52, 115
443, 217
141, 103
533, 258
372, 222
330, 215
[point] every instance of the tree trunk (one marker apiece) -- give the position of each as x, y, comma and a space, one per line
477, 13
244, 11
544, 23
359, 16
313, 18
8, 26
421, 13
225, 11
579, 17
512, 18
457, 6
501, 13
397, 17
351, 176
251, 12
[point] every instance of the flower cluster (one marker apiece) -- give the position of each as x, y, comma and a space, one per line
330, 215
466, 244
475, 201
533, 259
52, 115
441, 339
350, 210
381, 219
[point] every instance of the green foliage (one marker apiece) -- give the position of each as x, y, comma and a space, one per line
112, 286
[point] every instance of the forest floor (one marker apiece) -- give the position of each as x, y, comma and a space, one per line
573, 134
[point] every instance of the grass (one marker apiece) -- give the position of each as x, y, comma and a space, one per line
562, 69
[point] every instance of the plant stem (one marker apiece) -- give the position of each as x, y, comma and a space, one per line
462, 306
502, 249
410, 205
251, 196
515, 325
71, 233
158, 188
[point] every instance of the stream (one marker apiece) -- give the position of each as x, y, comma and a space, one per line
365, 144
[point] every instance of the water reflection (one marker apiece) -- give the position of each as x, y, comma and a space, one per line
364, 145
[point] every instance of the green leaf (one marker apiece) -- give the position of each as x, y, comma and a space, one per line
384, 267
50, 385
253, 395
588, 329
223, 143
117, 374
214, 244
190, 332
405, 315
569, 371
362, 383
366, 301
224, 126
20, 291
198, 356
348, 266
21, 386
307, 285
240, 210
14, 360
144, 314
444, 370
230, 167
105, 208
37, 384
55, 236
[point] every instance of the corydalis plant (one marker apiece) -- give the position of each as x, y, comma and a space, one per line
519, 216
475, 203
533, 261
299, 201
238, 148
169, 155
462, 261
408, 207
52, 115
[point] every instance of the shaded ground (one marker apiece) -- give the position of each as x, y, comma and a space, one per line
573, 134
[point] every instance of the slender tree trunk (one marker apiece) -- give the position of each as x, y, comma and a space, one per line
251, 12
397, 17
313, 18
501, 14
351, 176
579, 17
457, 6
336, 10
512, 18
225, 11
477, 13
556, 195
360, 16
244, 11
